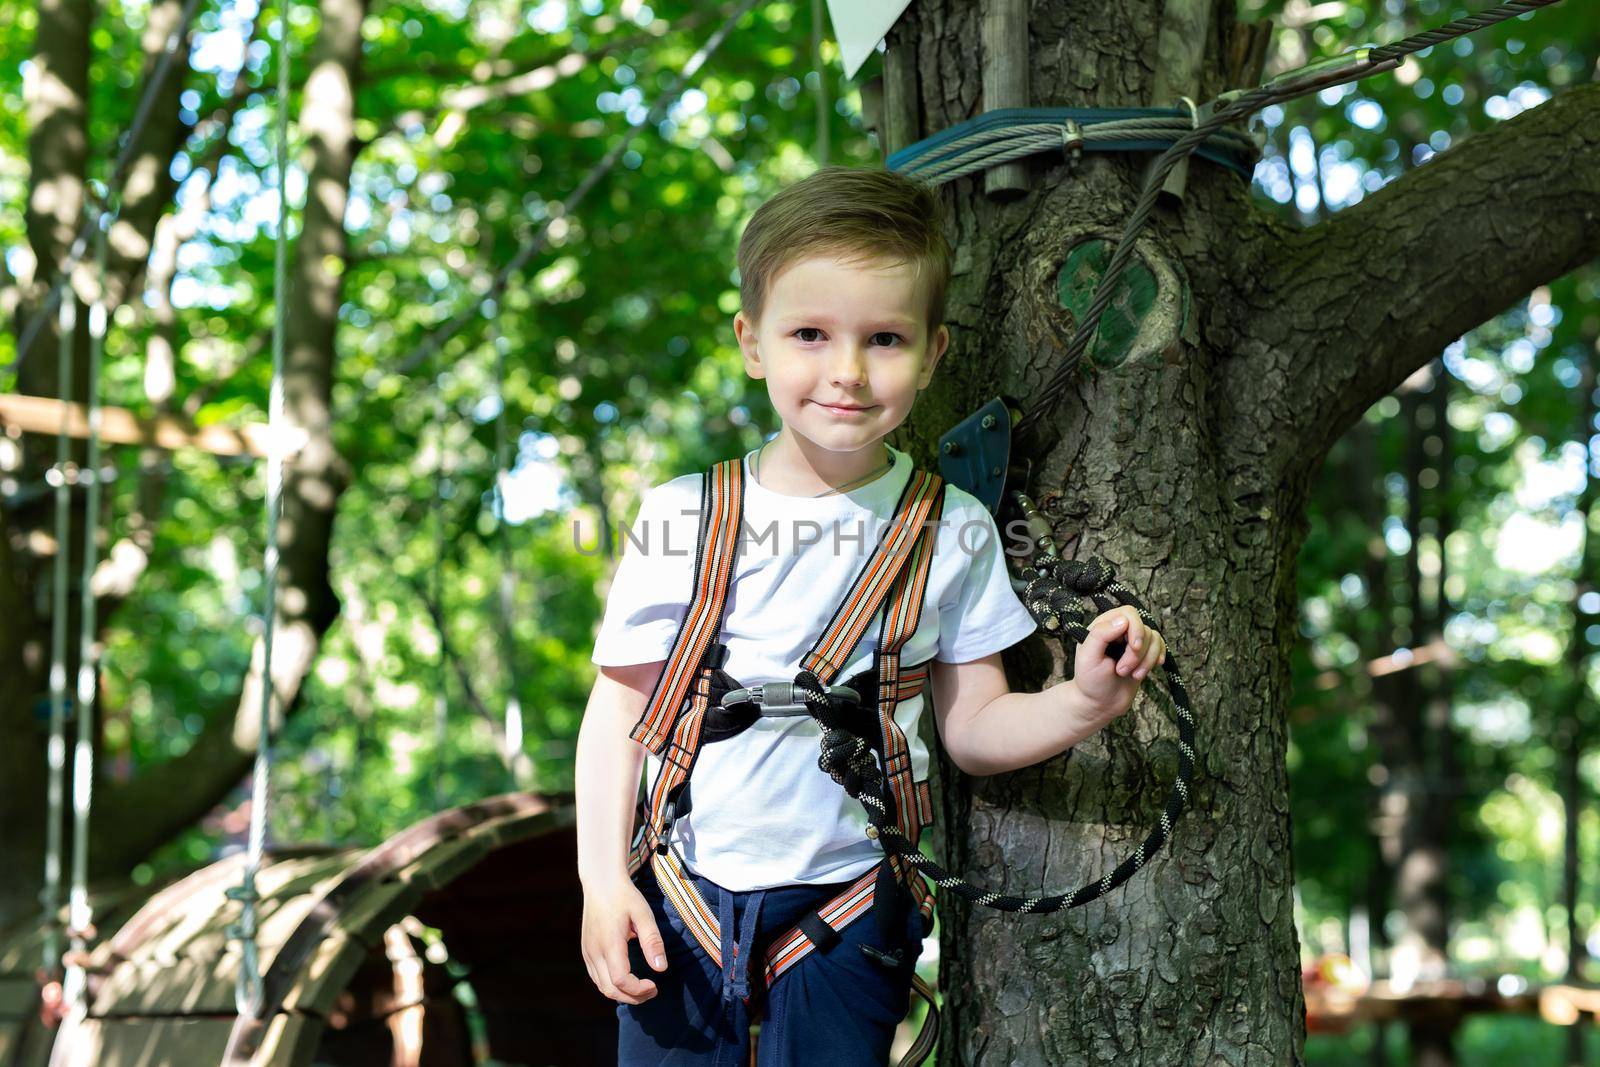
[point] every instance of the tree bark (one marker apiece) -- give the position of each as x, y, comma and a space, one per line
1185, 460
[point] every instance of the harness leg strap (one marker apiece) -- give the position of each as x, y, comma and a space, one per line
819, 933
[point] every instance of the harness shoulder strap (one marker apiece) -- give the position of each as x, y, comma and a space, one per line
875, 580
900, 620
721, 516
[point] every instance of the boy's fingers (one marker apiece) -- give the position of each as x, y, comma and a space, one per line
625, 986
650, 942
1152, 656
1138, 641
1102, 632
602, 981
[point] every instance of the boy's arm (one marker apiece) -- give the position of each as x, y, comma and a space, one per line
987, 729
607, 785
607, 770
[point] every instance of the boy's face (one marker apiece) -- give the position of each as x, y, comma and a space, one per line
835, 333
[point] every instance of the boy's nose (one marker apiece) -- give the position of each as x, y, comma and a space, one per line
848, 367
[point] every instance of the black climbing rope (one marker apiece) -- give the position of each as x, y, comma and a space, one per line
1065, 596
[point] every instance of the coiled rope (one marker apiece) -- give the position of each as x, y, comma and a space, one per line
1007, 134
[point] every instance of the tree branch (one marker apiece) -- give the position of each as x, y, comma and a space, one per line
1352, 306
149, 185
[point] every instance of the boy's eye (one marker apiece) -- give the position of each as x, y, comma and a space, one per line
804, 332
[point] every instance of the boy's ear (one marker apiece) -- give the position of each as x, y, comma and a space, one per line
936, 351
744, 331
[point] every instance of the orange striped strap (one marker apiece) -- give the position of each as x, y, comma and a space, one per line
721, 515
845, 908
677, 761
697, 916
912, 681
900, 619
854, 901
827, 658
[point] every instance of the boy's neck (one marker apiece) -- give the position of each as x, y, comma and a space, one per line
796, 467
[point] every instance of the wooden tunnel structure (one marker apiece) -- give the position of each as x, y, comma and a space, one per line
361, 952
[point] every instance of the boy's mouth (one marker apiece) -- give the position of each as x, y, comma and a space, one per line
843, 409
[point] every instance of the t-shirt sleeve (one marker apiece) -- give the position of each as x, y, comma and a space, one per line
984, 615
649, 593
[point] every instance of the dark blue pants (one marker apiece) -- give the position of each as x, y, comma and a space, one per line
836, 1006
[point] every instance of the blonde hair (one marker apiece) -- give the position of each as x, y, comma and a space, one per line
859, 213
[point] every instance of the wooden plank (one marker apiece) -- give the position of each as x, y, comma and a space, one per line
328, 974
1180, 53
902, 112
289, 888
119, 426
1005, 83
169, 987
443, 865
376, 908
1334, 1010
191, 966
509, 831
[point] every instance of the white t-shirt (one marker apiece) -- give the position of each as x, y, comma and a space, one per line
763, 813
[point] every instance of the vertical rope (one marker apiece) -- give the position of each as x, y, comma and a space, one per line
79, 916
821, 148
67, 318
441, 484
514, 760
248, 990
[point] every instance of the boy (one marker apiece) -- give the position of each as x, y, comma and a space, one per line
842, 289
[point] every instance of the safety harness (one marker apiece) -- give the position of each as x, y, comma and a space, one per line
696, 703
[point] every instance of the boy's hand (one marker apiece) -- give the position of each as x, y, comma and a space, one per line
610, 917
1108, 686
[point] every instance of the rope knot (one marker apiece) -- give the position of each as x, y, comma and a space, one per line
1085, 577
846, 757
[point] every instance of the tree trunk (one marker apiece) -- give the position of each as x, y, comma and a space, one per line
1420, 881
1184, 458
1578, 725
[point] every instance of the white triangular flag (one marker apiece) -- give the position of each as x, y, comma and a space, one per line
860, 25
